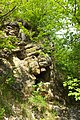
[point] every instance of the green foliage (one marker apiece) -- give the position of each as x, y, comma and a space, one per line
47, 17
7, 42
26, 31
68, 60
73, 87
36, 99
6, 81
2, 110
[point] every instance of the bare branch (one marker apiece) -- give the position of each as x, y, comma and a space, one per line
75, 7
8, 12
60, 4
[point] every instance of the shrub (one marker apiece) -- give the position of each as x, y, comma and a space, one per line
73, 85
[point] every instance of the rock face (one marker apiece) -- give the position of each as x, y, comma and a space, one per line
25, 65
29, 65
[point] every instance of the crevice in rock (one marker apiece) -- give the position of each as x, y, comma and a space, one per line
20, 54
44, 76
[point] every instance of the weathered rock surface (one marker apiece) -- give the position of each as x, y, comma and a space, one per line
28, 64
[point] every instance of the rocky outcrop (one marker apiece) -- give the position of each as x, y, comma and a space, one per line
28, 64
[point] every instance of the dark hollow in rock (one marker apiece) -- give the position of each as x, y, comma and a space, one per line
20, 55
43, 76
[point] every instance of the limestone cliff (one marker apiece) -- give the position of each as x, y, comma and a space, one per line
29, 65
20, 69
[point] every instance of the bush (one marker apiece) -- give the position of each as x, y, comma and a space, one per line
73, 85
